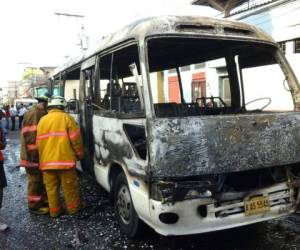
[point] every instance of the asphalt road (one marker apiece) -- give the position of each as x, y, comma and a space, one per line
96, 227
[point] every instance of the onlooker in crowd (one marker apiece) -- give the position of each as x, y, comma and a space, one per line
36, 193
7, 116
21, 113
3, 183
13, 114
59, 145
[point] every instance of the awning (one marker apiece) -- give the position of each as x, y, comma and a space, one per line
224, 6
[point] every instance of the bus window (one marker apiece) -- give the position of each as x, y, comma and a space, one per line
104, 89
118, 87
89, 79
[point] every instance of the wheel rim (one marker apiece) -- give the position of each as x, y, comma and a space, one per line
124, 204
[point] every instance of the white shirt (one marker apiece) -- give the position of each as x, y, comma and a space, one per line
12, 112
22, 111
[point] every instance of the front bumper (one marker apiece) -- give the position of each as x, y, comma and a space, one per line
220, 215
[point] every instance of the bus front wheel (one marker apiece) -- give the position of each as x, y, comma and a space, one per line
126, 215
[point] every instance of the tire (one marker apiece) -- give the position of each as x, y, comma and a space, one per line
126, 215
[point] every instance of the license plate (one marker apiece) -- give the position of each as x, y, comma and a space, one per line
257, 205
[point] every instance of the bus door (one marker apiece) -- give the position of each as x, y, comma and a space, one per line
119, 115
86, 112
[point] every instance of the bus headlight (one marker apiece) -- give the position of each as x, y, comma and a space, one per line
177, 191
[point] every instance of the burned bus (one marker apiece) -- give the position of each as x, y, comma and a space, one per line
192, 124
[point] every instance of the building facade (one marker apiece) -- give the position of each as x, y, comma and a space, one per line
280, 19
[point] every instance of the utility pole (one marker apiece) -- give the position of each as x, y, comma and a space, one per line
82, 35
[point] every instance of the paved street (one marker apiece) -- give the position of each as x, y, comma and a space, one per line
96, 227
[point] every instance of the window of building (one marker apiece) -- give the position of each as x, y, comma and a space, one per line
282, 47
199, 65
297, 45
198, 89
172, 71
185, 68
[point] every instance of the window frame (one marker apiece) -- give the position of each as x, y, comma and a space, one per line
112, 51
282, 47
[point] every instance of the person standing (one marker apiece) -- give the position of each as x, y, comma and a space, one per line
36, 193
59, 145
21, 113
3, 182
13, 113
7, 117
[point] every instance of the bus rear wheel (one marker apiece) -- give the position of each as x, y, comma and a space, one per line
127, 217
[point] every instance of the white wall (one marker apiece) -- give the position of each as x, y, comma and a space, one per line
294, 59
153, 84
282, 22
266, 82
186, 79
69, 86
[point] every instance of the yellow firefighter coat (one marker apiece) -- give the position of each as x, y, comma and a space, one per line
29, 153
58, 141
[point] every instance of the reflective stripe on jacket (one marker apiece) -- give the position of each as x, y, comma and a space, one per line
29, 153
58, 141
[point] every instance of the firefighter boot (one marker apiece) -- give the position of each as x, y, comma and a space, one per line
39, 211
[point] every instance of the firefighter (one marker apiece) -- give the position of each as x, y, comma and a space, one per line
36, 193
59, 145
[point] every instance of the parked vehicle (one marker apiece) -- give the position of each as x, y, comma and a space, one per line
27, 102
180, 156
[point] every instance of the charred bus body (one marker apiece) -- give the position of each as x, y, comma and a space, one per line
189, 157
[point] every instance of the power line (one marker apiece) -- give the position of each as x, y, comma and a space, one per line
69, 15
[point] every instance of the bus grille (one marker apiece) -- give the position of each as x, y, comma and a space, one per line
278, 196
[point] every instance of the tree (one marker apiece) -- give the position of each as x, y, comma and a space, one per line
31, 72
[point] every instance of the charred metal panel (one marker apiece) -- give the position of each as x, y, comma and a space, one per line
208, 145
113, 146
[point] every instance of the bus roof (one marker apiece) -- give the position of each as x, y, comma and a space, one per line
172, 25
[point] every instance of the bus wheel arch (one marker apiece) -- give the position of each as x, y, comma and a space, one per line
127, 217
114, 171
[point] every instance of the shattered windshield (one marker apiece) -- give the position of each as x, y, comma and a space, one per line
192, 76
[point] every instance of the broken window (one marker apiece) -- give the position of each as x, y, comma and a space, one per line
120, 90
104, 86
71, 86
222, 90
265, 85
180, 61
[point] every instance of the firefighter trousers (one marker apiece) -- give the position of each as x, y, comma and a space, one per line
36, 192
67, 179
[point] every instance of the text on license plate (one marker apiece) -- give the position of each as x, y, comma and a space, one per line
257, 205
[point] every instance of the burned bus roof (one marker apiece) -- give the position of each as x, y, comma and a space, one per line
172, 25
